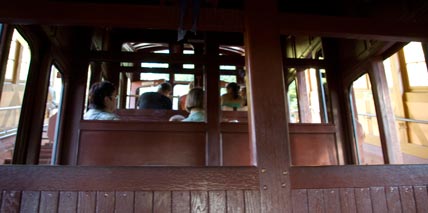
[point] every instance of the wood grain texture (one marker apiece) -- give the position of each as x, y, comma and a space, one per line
393, 199
332, 200
316, 200
300, 200
105, 201
378, 198
73, 178
30, 201
49, 201
86, 202
124, 201
144, 201
67, 202
217, 201
162, 202
363, 200
407, 199
10, 201
421, 197
235, 201
180, 201
199, 202
347, 200
358, 176
252, 201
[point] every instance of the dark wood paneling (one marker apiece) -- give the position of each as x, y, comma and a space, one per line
10, 201
144, 202
86, 202
180, 201
421, 198
235, 201
300, 200
347, 200
332, 200
105, 201
378, 199
313, 149
236, 149
407, 199
363, 200
315, 200
30, 201
142, 126
252, 201
312, 128
199, 201
393, 199
125, 201
49, 201
149, 114
136, 178
162, 201
67, 202
358, 176
217, 200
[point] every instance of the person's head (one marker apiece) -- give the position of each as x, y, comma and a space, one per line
102, 96
195, 99
165, 89
233, 89
191, 85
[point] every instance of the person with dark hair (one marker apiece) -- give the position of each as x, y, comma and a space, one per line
156, 100
195, 105
232, 99
102, 102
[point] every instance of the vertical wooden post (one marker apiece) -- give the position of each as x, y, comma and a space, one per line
73, 100
5, 38
268, 114
385, 114
212, 94
305, 114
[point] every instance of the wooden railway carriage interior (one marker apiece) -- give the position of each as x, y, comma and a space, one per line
335, 118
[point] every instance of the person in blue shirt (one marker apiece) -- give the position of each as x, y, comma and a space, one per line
195, 105
102, 102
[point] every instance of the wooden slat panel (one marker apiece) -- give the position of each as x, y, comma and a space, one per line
124, 202
306, 128
393, 199
199, 201
30, 201
300, 200
315, 200
105, 202
217, 201
11, 201
180, 201
352, 176
421, 197
235, 201
363, 200
75, 178
49, 201
144, 202
407, 199
347, 200
67, 202
162, 202
332, 200
86, 202
378, 199
252, 201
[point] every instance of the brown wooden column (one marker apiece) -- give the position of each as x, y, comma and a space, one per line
212, 91
385, 114
27, 145
303, 98
73, 99
268, 115
5, 38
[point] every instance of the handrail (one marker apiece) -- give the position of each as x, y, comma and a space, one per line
397, 118
10, 108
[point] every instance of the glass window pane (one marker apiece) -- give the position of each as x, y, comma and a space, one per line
416, 65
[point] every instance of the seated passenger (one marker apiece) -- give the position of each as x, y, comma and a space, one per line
232, 99
156, 100
102, 102
195, 105
182, 99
